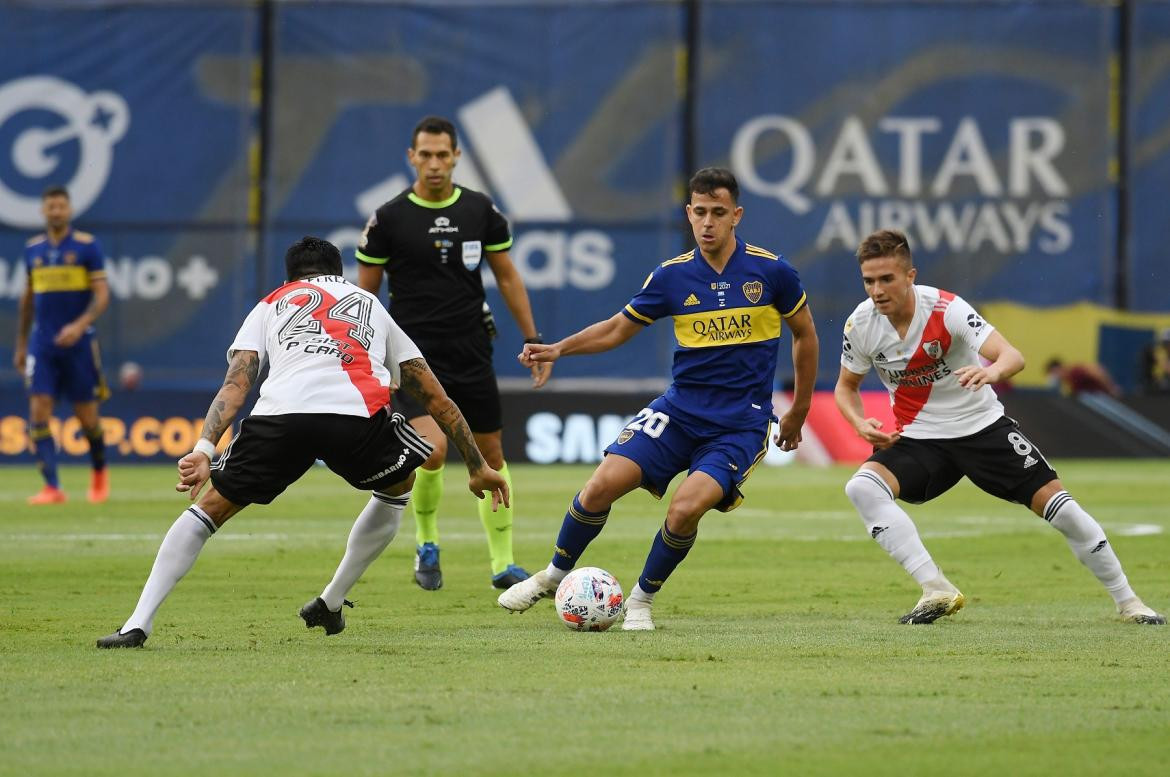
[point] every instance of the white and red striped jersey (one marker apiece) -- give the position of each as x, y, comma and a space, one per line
331, 348
919, 370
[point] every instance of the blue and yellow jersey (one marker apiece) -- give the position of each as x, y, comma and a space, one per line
61, 277
727, 329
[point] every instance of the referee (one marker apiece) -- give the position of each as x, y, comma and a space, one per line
430, 241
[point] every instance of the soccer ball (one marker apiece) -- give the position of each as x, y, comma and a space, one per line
589, 599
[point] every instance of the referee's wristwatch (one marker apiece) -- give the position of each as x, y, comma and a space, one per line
535, 340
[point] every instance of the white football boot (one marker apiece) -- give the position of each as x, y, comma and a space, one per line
637, 616
939, 598
528, 592
1135, 611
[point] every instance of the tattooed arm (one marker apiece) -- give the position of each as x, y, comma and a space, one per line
420, 383
241, 376
195, 467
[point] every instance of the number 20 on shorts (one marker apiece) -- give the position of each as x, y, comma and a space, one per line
649, 421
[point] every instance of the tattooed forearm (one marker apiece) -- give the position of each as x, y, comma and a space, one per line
413, 373
419, 382
451, 421
241, 376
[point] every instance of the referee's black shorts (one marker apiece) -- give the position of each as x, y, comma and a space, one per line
998, 459
272, 451
463, 366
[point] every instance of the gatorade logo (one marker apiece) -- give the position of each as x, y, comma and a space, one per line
75, 146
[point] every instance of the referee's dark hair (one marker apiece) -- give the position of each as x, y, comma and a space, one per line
435, 125
56, 190
707, 180
311, 256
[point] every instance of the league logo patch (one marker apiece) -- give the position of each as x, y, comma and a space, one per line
933, 349
472, 252
625, 436
753, 290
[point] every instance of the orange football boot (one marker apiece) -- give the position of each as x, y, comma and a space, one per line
49, 495
99, 487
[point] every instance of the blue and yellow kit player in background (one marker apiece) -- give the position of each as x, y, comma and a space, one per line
56, 349
727, 300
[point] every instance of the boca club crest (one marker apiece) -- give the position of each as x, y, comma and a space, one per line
933, 349
753, 290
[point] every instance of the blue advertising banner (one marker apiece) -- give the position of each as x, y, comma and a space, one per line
1149, 90
975, 127
568, 118
145, 114
980, 128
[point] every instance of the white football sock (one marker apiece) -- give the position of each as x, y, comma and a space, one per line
888, 523
556, 574
1087, 540
373, 530
641, 597
175, 558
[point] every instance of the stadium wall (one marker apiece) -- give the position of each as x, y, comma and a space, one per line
200, 138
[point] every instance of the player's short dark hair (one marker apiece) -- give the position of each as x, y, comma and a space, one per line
707, 180
311, 256
883, 243
56, 190
435, 125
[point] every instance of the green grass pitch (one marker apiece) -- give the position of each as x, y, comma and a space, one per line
778, 649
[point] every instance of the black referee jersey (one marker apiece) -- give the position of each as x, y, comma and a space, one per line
432, 253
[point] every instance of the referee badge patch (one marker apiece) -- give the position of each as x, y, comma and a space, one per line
753, 290
472, 253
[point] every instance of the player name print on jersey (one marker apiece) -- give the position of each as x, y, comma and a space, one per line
332, 348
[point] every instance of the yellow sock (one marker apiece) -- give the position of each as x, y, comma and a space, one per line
424, 499
498, 527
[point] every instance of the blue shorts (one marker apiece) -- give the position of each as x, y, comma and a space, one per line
74, 372
664, 445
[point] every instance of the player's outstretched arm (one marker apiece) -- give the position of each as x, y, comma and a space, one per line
847, 393
1006, 360
511, 286
195, 467
805, 352
595, 338
420, 383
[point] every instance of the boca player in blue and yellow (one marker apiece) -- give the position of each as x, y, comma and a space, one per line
56, 348
727, 301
